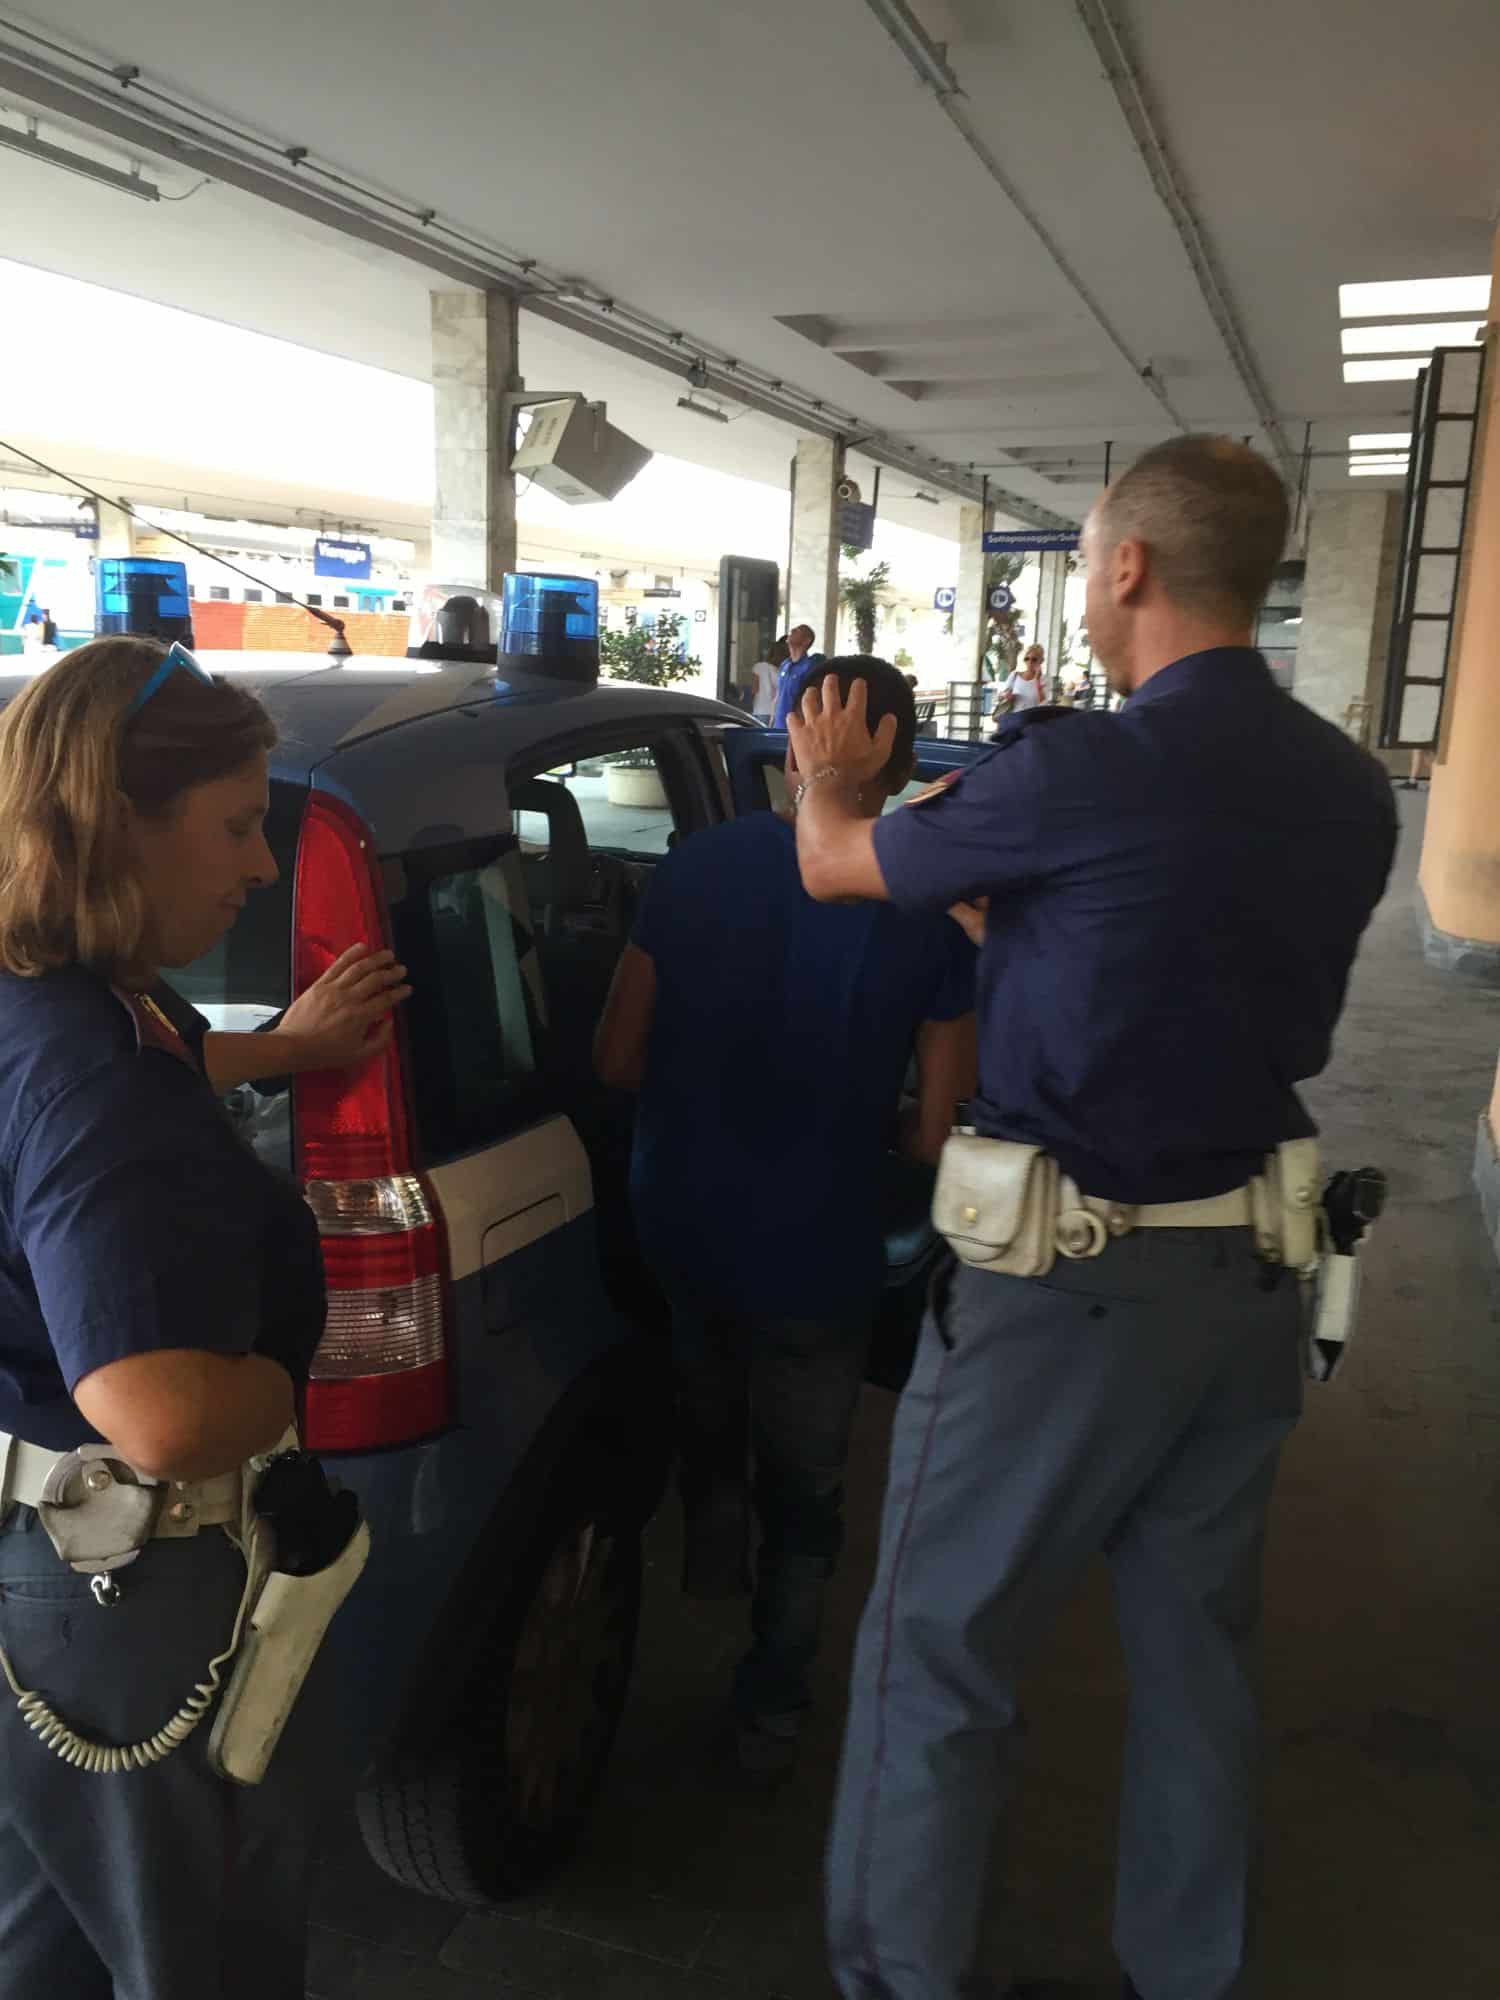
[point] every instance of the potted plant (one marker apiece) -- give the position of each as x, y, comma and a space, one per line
862, 597
653, 655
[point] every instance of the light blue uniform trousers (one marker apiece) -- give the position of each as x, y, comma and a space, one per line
1136, 1405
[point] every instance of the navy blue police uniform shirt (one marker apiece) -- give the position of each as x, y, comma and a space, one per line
1176, 896
132, 1218
780, 1042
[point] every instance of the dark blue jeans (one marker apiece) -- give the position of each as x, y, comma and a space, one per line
765, 1408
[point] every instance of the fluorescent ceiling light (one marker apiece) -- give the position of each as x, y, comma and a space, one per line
702, 410
77, 163
1418, 338
1380, 441
931, 498
1386, 464
1415, 295
1405, 368
1372, 469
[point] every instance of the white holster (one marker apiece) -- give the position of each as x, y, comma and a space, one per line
289, 1616
1330, 1310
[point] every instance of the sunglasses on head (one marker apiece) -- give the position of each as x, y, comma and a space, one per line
177, 656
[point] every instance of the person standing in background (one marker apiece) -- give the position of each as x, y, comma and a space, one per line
1026, 686
765, 678
800, 660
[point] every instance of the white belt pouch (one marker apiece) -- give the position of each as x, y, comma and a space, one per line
996, 1201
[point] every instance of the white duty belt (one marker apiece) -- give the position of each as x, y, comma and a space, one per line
35, 1476
1009, 1208
1234, 1210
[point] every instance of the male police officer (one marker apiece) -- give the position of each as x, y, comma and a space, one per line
1175, 896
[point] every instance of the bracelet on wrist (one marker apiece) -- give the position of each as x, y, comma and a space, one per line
823, 773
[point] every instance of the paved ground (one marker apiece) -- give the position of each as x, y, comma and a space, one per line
1383, 1639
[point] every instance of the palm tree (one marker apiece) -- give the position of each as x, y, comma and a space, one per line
862, 597
1007, 629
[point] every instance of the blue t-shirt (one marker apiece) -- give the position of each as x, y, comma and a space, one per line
789, 685
1176, 896
781, 1038
131, 1216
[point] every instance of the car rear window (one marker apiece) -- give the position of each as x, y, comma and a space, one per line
475, 1021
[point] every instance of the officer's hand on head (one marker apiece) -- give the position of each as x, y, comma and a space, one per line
345, 1016
828, 731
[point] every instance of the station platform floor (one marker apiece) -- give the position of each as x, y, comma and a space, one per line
1382, 1642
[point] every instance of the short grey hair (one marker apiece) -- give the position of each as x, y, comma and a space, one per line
1213, 514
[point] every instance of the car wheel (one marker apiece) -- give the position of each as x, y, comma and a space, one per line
494, 1810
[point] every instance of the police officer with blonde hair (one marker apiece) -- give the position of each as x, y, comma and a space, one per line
1173, 897
161, 1294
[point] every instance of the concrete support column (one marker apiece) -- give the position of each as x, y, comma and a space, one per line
971, 609
116, 530
813, 587
474, 362
1353, 544
1460, 874
1049, 623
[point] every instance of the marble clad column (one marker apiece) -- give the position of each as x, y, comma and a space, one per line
813, 591
474, 361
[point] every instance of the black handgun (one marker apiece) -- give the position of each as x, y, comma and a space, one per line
312, 1522
1353, 1200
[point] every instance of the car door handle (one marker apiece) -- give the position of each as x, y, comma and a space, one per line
502, 1239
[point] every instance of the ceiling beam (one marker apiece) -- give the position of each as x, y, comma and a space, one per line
1108, 38
929, 60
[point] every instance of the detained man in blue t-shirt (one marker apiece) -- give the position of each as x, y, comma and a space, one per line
769, 1037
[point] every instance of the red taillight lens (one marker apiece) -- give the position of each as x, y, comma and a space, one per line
350, 1124
380, 1375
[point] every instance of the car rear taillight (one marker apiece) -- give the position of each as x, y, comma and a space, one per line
380, 1375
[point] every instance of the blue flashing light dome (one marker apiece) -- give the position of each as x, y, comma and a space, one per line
550, 625
143, 595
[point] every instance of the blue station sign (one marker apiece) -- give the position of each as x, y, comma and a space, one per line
1030, 541
333, 556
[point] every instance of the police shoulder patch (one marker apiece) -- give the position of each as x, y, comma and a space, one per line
933, 791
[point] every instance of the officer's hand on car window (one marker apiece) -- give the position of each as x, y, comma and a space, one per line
828, 732
345, 1016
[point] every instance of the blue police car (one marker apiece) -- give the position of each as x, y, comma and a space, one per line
492, 1377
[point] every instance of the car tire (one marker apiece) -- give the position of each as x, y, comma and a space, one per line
495, 1808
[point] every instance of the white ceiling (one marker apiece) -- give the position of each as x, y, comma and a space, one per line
775, 181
